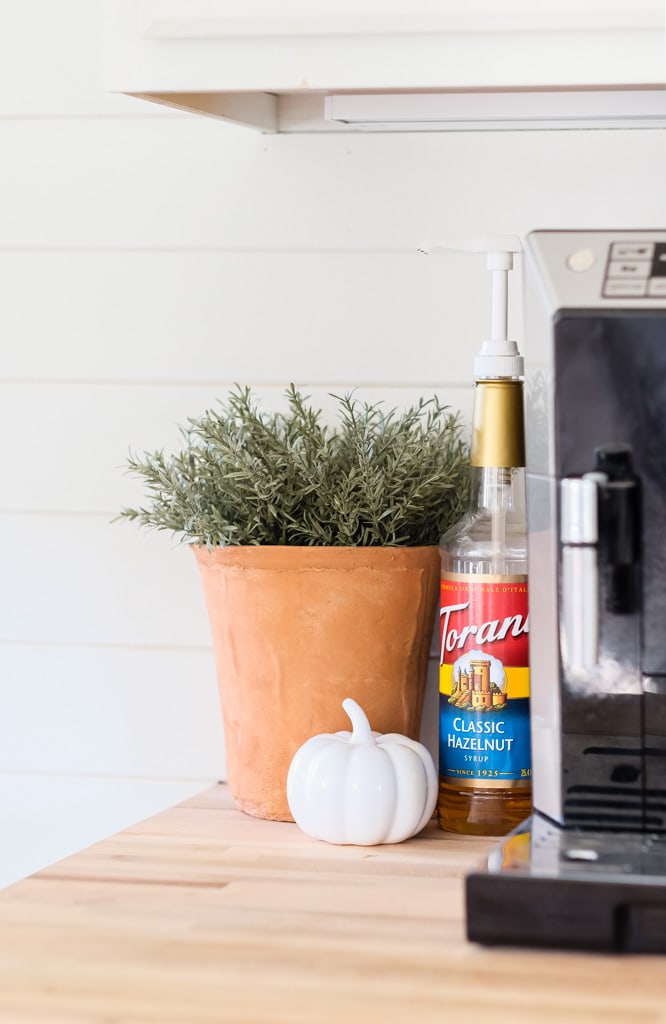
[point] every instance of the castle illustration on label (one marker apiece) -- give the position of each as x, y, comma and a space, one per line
478, 683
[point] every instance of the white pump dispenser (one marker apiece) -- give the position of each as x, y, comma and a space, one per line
499, 358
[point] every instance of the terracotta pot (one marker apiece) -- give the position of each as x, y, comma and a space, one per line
298, 629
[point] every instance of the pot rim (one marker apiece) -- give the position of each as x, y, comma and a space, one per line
287, 556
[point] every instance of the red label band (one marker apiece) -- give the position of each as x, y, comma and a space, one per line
491, 616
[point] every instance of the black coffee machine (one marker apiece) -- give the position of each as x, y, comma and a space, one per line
588, 870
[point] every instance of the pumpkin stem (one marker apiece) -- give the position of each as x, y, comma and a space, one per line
361, 731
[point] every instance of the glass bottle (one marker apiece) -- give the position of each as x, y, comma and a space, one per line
484, 674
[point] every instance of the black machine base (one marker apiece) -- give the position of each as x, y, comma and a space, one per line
550, 887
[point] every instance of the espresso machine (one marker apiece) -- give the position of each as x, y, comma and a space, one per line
588, 869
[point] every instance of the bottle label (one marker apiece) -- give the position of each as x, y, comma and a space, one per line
484, 681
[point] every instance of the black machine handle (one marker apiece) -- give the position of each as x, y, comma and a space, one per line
619, 529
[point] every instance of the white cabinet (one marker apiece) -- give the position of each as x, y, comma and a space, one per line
315, 65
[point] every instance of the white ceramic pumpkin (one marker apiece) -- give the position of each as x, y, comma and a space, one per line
361, 788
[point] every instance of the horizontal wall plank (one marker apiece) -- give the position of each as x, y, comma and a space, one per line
191, 181
76, 580
350, 318
130, 713
100, 711
70, 452
79, 579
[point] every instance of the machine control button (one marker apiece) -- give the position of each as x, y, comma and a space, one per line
581, 260
623, 288
657, 287
632, 250
629, 268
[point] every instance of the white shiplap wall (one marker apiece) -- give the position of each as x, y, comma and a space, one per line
149, 260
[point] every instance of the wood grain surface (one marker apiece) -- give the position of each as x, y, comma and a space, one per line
203, 914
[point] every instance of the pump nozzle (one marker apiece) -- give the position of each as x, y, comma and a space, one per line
498, 357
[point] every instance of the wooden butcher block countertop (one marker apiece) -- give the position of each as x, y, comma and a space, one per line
203, 914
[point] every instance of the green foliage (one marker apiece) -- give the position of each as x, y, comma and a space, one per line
247, 477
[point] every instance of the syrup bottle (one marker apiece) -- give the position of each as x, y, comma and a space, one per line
484, 730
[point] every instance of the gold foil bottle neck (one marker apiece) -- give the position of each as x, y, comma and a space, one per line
498, 425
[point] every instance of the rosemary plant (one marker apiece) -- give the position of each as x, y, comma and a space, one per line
247, 477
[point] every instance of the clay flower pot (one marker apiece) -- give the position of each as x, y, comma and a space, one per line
296, 630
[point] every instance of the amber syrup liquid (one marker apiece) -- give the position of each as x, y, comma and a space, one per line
489, 812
